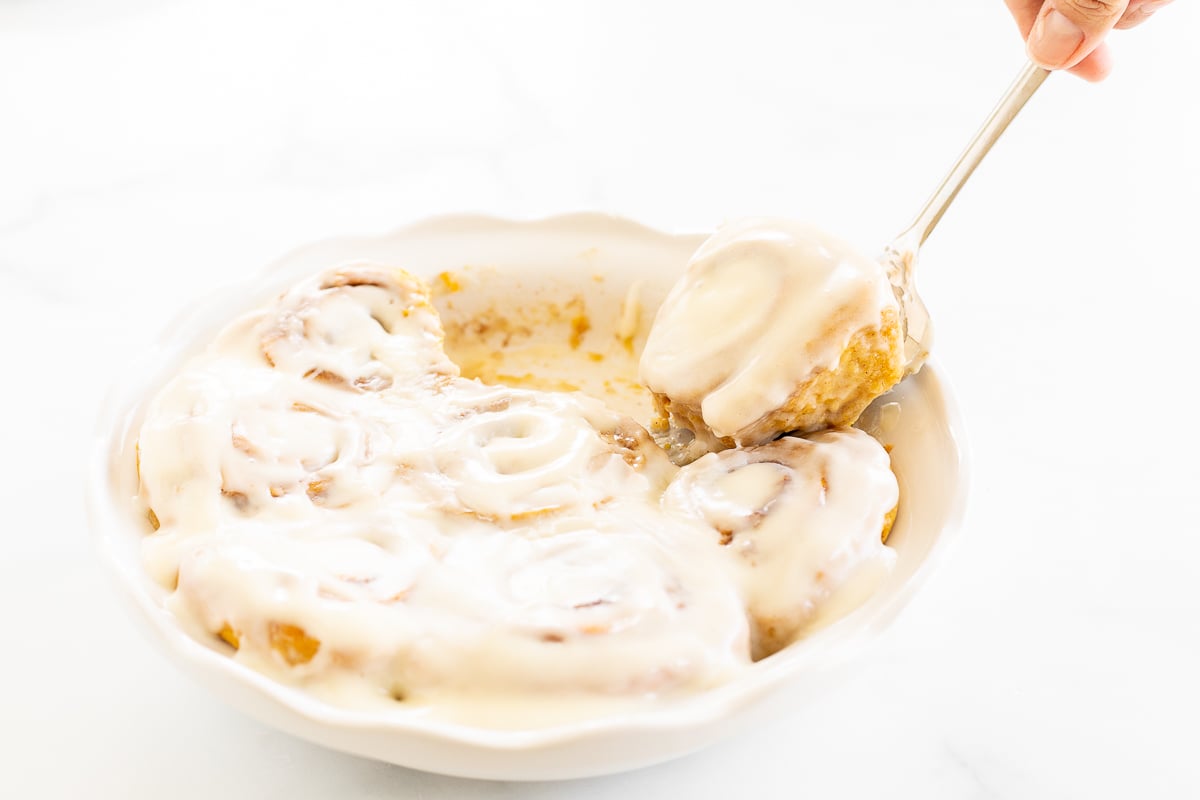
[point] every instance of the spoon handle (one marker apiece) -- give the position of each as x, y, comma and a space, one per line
1014, 100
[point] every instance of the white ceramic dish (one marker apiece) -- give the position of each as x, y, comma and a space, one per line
544, 256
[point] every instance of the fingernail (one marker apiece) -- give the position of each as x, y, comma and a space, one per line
1054, 40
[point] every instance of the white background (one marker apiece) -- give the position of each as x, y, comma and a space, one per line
151, 149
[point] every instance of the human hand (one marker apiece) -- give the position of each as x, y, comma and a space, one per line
1069, 34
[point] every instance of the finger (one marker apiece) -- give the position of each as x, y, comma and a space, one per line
1024, 12
1139, 12
1067, 31
1096, 66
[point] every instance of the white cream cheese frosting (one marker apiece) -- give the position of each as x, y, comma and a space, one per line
347, 514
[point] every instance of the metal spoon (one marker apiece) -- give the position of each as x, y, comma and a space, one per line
900, 257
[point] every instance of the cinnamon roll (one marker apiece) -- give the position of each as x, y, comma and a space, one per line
360, 327
802, 521
513, 455
774, 327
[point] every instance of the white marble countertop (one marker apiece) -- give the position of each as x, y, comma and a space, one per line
149, 149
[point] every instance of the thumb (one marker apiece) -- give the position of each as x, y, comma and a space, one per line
1067, 31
